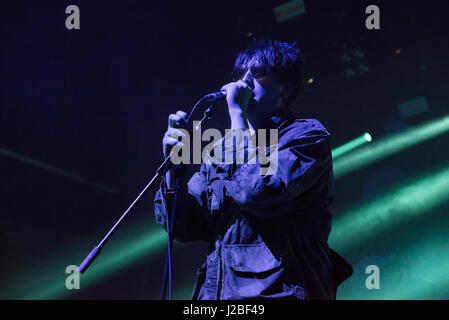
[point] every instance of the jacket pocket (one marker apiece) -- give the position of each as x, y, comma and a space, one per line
253, 272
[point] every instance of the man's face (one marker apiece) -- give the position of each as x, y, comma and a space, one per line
266, 89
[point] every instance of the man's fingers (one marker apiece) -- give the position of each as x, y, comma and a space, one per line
172, 119
177, 120
176, 130
172, 137
170, 142
238, 84
175, 133
243, 84
182, 114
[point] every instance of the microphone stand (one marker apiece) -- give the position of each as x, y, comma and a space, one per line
160, 173
170, 226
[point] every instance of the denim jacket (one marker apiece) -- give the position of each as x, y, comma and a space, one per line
267, 234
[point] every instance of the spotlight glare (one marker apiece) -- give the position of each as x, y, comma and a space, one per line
388, 146
368, 137
351, 145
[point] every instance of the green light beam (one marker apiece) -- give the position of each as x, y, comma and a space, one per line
388, 146
351, 145
428, 261
418, 197
54, 170
112, 259
418, 270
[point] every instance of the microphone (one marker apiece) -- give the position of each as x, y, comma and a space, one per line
216, 96
219, 96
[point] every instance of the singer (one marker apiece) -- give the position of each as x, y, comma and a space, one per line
267, 234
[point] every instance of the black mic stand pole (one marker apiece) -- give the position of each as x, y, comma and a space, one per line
160, 172
169, 224
165, 166
170, 221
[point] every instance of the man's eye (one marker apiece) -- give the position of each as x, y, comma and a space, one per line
258, 72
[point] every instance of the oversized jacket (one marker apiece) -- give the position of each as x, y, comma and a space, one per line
267, 234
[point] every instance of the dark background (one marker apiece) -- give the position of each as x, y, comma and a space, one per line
94, 102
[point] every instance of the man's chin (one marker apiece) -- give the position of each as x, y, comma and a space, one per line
259, 110
256, 108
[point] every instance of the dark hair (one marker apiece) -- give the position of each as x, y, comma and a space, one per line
283, 58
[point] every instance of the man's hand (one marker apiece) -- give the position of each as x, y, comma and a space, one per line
238, 95
175, 122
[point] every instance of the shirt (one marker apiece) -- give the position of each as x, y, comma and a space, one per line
267, 234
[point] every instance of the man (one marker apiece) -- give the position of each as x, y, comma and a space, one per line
267, 234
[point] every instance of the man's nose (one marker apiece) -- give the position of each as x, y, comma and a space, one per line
248, 78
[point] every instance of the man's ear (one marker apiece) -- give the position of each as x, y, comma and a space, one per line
286, 90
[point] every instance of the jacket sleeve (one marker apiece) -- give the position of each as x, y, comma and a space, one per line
303, 158
191, 217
